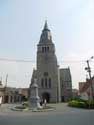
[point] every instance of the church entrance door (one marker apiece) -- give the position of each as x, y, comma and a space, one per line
46, 96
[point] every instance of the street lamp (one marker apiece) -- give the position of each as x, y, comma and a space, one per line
90, 78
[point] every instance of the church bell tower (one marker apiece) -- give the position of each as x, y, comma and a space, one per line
47, 68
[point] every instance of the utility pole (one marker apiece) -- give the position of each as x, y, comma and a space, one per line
90, 78
5, 88
6, 80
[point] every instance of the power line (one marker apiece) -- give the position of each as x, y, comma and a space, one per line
33, 61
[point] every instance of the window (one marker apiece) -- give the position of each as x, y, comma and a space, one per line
45, 82
49, 82
42, 49
45, 74
42, 83
47, 49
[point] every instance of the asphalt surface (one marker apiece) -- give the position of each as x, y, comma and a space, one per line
62, 115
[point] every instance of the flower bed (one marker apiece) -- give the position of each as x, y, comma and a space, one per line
26, 108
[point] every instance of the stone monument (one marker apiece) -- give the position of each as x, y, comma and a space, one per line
34, 100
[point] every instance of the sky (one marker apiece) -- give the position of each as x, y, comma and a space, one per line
21, 22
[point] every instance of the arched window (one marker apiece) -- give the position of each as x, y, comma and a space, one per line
47, 49
45, 74
42, 83
45, 82
42, 49
49, 82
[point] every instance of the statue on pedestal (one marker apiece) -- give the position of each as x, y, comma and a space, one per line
34, 100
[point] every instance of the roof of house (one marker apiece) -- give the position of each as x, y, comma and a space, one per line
85, 85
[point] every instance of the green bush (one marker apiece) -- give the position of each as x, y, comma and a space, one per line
75, 103
81, 103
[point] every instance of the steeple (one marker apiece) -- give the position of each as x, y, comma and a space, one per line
46, 26
46, 34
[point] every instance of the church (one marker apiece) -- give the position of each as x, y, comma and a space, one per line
54, 84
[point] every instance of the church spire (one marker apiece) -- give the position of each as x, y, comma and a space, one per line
46, 35
46, 26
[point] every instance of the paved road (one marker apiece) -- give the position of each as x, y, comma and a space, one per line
63, 115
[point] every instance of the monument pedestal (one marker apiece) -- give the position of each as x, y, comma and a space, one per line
34, 100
